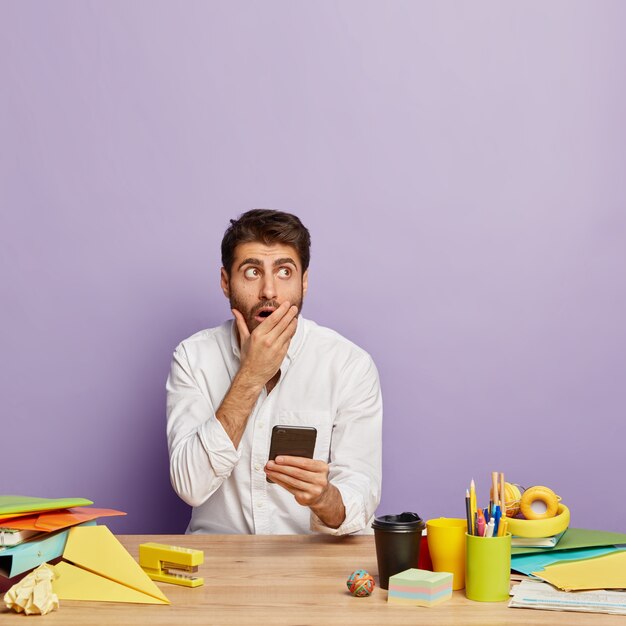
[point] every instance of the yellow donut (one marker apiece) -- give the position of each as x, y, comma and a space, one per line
539, 503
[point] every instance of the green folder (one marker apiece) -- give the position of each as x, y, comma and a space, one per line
14, 505
575, 538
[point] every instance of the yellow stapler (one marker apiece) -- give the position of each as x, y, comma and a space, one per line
171, 564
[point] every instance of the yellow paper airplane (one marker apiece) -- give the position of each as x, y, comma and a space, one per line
96, 566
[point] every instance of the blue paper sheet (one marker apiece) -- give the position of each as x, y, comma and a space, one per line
528, 563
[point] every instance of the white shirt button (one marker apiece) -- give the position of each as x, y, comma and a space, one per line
257, 467
260, 424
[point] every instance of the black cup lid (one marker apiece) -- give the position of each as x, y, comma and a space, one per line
404, 521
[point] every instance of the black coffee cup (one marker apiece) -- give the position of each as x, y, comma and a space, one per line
398, 539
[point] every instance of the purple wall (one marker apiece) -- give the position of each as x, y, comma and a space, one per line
460, 167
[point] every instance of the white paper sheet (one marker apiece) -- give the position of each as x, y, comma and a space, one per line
537, 595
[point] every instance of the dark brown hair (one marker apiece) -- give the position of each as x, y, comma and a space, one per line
267, 226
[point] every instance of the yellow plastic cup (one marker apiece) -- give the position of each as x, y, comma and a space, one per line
446, 544
488, 568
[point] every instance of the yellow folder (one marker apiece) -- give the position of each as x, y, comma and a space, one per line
603, 572
96, 566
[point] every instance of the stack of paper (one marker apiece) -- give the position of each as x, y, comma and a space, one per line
94, 565
538, 595
584, 565
34, 531
420, 587
576, 544
13, 536
43, 515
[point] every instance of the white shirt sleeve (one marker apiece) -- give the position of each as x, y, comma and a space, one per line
356, 449
201, 453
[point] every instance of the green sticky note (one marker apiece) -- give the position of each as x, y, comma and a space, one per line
423, 577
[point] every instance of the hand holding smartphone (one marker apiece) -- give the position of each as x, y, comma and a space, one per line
292, 441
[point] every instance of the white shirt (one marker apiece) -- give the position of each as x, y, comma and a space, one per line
326, 381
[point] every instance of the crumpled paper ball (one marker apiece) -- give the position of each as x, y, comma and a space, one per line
33, 594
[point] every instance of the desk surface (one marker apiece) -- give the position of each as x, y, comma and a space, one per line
275, 580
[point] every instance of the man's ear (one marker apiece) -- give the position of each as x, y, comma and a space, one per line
225, 282
305, 282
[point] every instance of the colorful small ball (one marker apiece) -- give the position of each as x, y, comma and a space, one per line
360, 584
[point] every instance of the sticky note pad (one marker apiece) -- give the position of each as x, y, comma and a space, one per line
419, 587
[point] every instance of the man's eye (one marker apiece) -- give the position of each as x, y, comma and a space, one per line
284, 272
251, 272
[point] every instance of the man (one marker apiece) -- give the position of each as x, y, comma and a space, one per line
230, 385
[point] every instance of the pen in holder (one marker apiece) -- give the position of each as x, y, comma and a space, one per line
488, 568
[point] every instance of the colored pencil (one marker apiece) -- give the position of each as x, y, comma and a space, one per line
473, 504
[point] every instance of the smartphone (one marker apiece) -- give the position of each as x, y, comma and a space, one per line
292, 441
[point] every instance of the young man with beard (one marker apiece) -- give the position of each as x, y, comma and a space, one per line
230, 385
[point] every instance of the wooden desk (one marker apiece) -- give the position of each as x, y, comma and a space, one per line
275, 580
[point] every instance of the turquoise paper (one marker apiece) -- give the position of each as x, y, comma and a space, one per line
528, 563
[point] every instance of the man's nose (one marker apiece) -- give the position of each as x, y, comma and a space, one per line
268, 287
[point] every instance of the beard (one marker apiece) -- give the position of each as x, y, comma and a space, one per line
250, 314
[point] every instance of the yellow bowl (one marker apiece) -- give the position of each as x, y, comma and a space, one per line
540, 527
